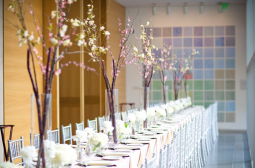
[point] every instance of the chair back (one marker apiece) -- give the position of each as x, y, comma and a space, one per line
124, 116
53, 136
93, 124
14, 148
162, 158
66, 133
152, 163
117, 116
37, 141
170, 155
79, 126
107, 118
101, 123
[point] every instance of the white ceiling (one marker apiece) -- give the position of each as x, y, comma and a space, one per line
148, 3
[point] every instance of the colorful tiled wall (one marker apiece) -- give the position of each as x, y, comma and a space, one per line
213, 73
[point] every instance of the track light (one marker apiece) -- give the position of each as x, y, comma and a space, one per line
168, 9
154, 10
201, 8
185, 9
220, 8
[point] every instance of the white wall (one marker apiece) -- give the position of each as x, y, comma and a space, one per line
235, 15
250, 13
1, 79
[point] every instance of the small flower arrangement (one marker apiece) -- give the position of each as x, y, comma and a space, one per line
131, 118
8, 165
28, 153
64, 154
98, 141
80, 136
122, 129
49, 147
160, 112
169, 109
151, 112
140, 115
108, 127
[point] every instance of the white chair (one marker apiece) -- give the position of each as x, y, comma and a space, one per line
53, 136
163, 158
101, 123
177, 148
93, 124
170, 155
14, 148
79, 126
152, 163
36, 140
66, 133
182, 146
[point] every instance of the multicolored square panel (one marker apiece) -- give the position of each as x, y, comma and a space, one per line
213, 73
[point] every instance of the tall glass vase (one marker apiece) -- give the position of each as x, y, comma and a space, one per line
165, 94
47, 104
145, 94
46, 109
41, 106
177, 88
111, 108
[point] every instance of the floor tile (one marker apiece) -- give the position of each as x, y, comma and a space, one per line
231, 150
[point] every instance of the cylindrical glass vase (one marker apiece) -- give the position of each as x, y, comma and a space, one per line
165, 94
111, 109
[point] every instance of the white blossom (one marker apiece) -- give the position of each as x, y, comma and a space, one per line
135, 49
53, 14
54, 41
67, 42
31, 37
107, 33
102, 28
25, 33
80, 42
91, 22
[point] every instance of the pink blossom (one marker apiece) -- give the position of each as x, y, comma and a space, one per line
165, 78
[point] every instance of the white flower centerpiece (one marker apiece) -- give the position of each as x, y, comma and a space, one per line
160, 113
132, 121
150, 115
169, 110
123, 131
81, 137
49, 147
28, 153
140, 118
8, 165
108, 128
98, 141
64, 155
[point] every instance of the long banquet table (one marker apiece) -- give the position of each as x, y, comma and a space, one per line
147, 143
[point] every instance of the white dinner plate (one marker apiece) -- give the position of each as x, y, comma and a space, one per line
123, 150
112, 157
97, 166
